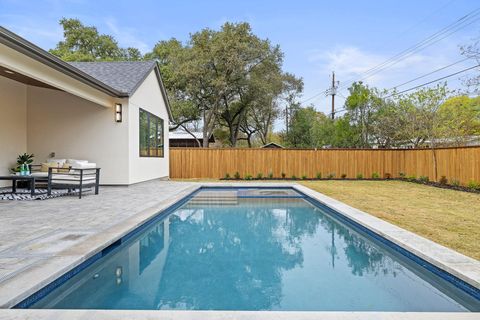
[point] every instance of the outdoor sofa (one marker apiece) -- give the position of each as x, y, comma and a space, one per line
71, 174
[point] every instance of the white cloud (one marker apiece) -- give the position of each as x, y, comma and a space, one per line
126, 37
352, 63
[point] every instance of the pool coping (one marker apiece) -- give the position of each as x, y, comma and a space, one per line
30, 281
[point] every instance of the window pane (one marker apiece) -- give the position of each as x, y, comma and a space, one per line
153, 136
143, 133
160, 138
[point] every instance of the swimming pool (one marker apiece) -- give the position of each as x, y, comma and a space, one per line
253, 249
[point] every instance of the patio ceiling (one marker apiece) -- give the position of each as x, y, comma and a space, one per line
7, 73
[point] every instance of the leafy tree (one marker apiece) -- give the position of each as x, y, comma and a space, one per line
227, 78
84, 43
362, 104
292, 88
299, 135
460, 119
472, 51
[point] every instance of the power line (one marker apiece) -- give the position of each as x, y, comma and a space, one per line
434, 38
425, 75
314, 96
433, 81
424, 84
443, 33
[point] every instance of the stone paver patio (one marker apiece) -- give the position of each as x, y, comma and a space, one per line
33, 231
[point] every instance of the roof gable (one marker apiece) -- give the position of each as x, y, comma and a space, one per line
124, 76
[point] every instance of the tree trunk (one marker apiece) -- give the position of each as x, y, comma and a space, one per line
435, 169
189, 132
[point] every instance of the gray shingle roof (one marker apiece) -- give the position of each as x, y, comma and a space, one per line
124, 76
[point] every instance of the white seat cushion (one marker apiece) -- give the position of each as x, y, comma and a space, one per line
87, 165
71, 179
40, 174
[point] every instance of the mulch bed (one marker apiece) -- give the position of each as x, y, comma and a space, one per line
427, 183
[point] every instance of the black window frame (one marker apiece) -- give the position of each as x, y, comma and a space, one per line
159, 121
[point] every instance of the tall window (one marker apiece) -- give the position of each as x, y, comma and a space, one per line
151, 135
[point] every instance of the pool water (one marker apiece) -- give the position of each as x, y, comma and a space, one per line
255, 250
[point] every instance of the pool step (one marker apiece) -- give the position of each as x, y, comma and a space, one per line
212, 197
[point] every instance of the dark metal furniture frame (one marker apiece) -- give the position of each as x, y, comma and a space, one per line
73, 178
15, 178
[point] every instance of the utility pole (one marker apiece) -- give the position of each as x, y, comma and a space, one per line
332, 91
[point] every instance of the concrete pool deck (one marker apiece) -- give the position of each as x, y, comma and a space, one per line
41, 240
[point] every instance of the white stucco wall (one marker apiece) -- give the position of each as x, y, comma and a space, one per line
148, 97
13, 124
73, 127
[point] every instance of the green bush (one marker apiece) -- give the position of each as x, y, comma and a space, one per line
375, 175
359, 176
259, 176
319, 175
283, 175
270, 175
294, 177
473, 185
227, 176
248, 177
455, 183
423, 179
412, 178
304, 177
443, 180
331, 175
402, 175
343, 176
236, 175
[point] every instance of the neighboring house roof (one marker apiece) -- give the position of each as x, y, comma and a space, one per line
96, 76
273, 145
177, 135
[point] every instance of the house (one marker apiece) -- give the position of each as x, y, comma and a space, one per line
115, 114
183, 139
272, 145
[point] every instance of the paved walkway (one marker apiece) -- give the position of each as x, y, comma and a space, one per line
33, 231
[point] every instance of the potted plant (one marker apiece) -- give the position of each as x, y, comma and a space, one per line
23, 160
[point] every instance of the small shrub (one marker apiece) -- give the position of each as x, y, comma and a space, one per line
331, 175
259, 176
304, 177
248, 177
455, 183
270, 175
443, 180
319, 175
473, 185
283, 175
227, 176
423, 179
343, 176
375, 175
236, 175
412, 178
387, 176
359, 176
294, 177
402, 175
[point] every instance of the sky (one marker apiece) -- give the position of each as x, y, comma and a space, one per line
317, 37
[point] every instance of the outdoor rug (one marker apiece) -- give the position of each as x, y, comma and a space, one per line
40, 194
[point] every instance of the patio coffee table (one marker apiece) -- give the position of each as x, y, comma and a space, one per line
14, 178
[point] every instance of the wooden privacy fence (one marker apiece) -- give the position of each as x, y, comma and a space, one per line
462, 164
